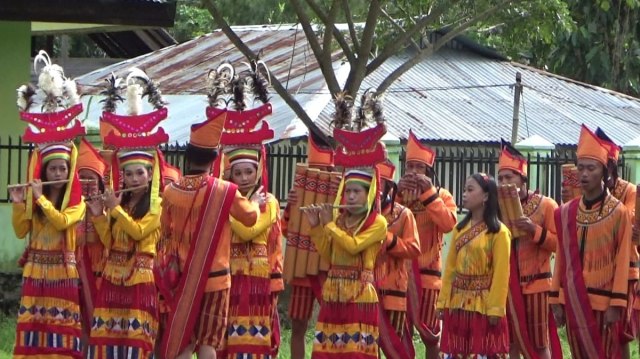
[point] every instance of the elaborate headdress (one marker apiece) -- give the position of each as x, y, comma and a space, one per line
359, 149
245, 130
589, 146
133, 135
54, 127
317, 155
512, 159
614, 149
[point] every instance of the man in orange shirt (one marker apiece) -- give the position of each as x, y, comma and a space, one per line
391, 275
530, 282
590, 281
304, 291
435, 213
625, 192
196, 231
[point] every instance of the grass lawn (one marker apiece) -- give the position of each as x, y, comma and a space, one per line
7, 333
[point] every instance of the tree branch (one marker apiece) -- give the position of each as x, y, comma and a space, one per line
432, 48
277, 85
393, 47
330, 23
325, 67
399, 28
357, 74
326, 41
352, 28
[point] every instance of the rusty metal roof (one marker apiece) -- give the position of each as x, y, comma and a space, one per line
459, 95
180, 73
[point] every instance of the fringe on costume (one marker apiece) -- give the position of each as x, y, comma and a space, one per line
467, 334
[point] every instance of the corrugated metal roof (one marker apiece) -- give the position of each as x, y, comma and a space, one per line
180, 70
457, 95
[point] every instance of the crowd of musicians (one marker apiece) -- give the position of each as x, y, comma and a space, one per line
127, 257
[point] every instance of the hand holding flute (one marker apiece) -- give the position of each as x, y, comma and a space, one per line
321, 213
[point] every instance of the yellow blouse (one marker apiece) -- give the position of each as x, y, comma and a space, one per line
55, 232
128, 235
253, 258
476, 277
344, 250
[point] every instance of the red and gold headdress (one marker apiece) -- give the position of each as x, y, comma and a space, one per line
512, 159
589, 146
54, 128
133, 135
245, 130
614, 149
359, 150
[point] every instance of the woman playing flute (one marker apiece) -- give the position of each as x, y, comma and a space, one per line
49, 323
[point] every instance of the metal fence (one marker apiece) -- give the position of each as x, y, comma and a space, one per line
453, 166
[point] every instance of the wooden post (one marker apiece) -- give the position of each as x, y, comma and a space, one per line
517, 93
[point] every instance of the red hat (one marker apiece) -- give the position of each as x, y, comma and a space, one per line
512, 159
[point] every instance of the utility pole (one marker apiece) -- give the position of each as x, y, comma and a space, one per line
517, 93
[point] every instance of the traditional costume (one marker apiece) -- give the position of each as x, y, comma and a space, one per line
531, 322
392, 276
474, 287
125, 318
256, 250
435, 213
347, 325
90, 252
592, 263
194, 275
625, 192
49, 320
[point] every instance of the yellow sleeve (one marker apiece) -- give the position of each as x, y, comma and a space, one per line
103, 228
621, 276
61, 220
136, 229
376, 233
244, 210
21, 225
501, 249
449, 273
322, 241
265, 221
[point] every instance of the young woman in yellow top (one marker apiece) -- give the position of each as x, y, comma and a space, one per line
49, 315
350, 241
251, 326
125, 318
473, 299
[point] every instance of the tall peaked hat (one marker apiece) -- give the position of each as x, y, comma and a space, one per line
416, 151
614, 149
207, 134
386, 170
89, 158
591, 147
54, 128
317, 155
512, 159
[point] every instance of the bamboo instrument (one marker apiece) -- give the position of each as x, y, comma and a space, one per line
510, 207
570, 182
46, 183
102, 195
334, 184
305, 228
322, 195
293, 226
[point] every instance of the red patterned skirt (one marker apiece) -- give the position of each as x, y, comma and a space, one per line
467, 334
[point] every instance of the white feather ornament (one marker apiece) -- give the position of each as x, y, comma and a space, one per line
134, 99
71, 92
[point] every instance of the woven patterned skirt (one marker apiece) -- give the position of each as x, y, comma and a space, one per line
346, 330
468, 334
125, 321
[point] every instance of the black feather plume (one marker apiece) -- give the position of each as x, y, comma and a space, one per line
260, 74
155, 96
112, 94
344, 111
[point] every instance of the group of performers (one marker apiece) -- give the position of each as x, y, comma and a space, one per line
129, 258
